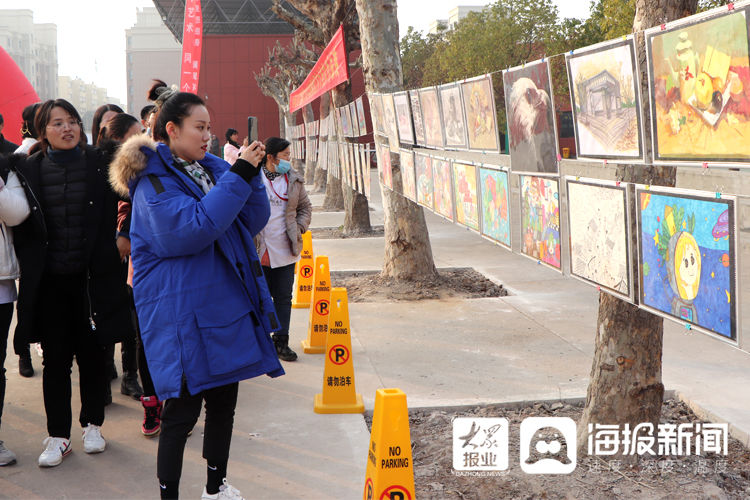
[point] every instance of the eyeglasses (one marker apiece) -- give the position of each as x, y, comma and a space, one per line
59, 125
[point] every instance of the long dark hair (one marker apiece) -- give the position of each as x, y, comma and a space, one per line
28, 130
97, 122
229, 134
171, 106
42, 117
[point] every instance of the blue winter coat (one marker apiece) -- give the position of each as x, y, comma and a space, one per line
203, 305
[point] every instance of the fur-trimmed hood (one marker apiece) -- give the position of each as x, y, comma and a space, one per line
129, 162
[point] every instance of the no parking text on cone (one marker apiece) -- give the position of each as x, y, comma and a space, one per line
390, 472
303, 274
315, 343
339, 394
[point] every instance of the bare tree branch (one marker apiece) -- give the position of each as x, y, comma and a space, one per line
304, 25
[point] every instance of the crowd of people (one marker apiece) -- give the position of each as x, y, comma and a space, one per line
148, 239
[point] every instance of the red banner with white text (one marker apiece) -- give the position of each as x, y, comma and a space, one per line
331, 69
192, 39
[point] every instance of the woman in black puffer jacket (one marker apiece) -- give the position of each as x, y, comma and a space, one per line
72, 294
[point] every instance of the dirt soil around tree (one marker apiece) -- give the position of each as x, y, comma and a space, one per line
462, 283
333, 233
710, 476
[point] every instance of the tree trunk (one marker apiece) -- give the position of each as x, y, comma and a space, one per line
626, 385
408, 254
319, 179
282, 123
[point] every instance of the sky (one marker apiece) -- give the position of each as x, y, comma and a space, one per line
91, 33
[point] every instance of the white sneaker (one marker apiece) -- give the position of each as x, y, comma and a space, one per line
56, 449
226, 492
93, 442
7, 457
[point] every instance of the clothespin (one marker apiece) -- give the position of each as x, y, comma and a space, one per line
688, 326
730, 6
648, 187
617, 183
559, 157
605, 161
598, 288
718, 195
538, 261
578, 178
705, 164
624, 37
571, 52
663, 27
543, 58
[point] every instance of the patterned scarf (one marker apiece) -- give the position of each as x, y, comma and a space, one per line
270, 175
196, 172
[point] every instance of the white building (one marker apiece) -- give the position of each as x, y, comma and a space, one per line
454, 16
33, 47
151, 52
85, 97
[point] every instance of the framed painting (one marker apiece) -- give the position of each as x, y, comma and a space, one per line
442, 187
433, 124
606, 100
361, 120
495, 196
688, 258
423, 173
480, 114
454, 124
403, 117
540, 219
391, 127
699, 73
408, 179
366, 168
353, 119
465, 194
376, 113
346, 126
384, 166
416, 115
599, 224
530, 111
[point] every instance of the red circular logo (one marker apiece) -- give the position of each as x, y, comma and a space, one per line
322, 307
338, 354
395, 492
306, 271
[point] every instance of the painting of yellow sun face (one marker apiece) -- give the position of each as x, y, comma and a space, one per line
687, 266
687, 257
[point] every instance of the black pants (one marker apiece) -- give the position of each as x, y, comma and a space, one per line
280, 282
146, 380
180, 415
20, 346
65, 334
6, 316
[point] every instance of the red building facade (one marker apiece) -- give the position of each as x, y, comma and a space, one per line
237, 35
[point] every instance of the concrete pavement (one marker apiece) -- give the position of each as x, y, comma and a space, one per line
534, 344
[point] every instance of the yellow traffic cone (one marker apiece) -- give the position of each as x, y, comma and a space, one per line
318, 324
390, 472
303, 274
339, 394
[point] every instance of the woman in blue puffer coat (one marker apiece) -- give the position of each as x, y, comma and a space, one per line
202, 301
